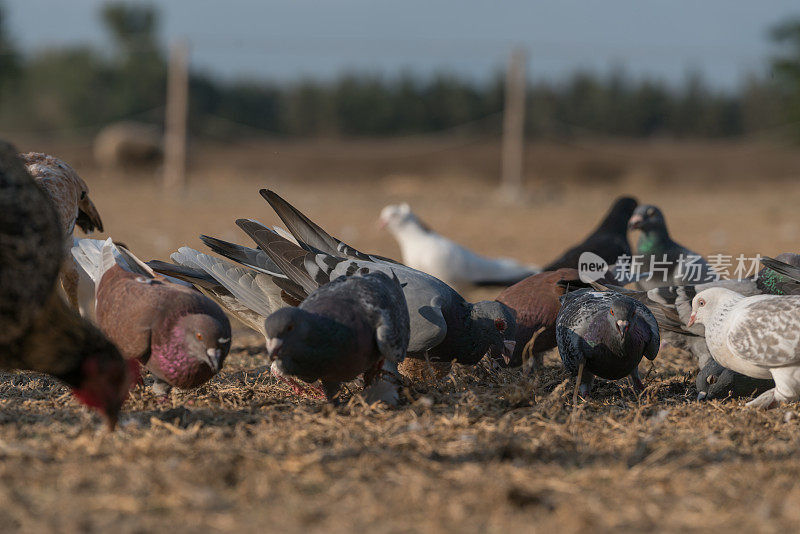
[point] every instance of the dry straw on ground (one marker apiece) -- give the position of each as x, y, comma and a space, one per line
481, 451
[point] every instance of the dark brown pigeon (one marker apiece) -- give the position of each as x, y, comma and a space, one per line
609, 240
341, 330
535, 300
177, 333
38, 331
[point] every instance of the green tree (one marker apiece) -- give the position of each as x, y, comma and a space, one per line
10, 61
786, 68
139, 80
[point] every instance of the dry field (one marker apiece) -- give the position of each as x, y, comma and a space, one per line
481, 451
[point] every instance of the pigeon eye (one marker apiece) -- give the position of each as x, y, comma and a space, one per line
612, 312
500, 325
701, 302
290, 328
711, 379
83, 195
199, 336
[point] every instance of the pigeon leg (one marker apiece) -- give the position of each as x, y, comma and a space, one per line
579, 384
586, 383
636, 380
531, 362
301, 390
765, 401
787, 384
331, 390
372, 373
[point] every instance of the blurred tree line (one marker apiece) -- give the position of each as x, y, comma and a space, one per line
77, 90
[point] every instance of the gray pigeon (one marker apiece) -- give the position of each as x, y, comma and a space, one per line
667, 262
717, 382
607, 333
444, 326
341, 330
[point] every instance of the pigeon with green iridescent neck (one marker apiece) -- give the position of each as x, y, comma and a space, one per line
780, 276
669, 263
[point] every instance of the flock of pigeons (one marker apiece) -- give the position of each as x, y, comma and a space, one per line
93, 315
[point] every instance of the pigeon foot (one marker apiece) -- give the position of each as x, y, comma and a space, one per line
765, 401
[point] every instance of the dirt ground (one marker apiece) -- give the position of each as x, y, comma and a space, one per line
482, 451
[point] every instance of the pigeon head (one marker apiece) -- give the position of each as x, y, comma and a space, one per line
647, 218
283, 327
397, 217
495, 324
620, 315
205, 339
707, 303
104, 378
714, 381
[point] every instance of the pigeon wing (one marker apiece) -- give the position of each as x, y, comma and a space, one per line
766, 331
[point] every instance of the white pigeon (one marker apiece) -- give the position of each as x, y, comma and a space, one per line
757, 336
429, 252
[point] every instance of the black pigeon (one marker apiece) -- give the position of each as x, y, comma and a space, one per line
717, 382
609, 240
341, 330
444, 326
669, 263
607, 333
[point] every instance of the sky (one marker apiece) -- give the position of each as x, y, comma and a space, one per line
725, 40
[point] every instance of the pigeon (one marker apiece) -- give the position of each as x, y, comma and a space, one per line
716, 382
604, 333
343, 329
179, 335
609, 241
757, 336
429, 252
536, 303
444, 326
780, 276
667, 262
70, 195
38, 330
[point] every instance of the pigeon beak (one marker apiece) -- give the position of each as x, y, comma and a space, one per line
273, 344
381, 223
214, 358
635, 222
692, 319
508, 350
622, 327
702, 396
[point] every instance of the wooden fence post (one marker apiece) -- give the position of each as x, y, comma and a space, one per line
514, 125
176, 116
